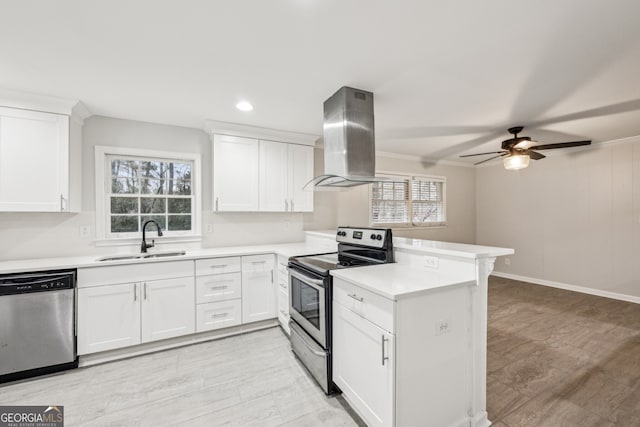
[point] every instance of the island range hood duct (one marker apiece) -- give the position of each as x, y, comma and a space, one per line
349, 141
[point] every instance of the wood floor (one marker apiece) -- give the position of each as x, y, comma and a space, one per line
555, 358
560, 359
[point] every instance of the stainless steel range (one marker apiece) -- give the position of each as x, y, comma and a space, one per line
310, 294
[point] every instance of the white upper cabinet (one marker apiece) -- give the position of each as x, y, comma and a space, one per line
235, 174
34, 161
251, 174
284, 171
300, 159
274, 194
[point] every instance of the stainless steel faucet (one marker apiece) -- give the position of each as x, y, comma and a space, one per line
144, 246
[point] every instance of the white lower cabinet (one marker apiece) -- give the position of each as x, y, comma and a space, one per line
108, 317
403, 362
283, 294
168, 308
124, 305
217, 315
364, 365
258, 288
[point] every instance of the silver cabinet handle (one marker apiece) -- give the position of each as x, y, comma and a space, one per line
292, 208
271, 275
62, 208
219, 266
216, 203
286, 205
220, 315
145, 291
219, 287
283, 286
259, 262
282, 312
383, 356
355, 297
135, 292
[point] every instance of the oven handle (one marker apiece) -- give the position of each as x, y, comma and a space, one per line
304, 341
319, 284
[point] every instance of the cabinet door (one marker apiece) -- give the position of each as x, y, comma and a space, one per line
300, 173
235, 174
274, 192
34, 161
168, 308
108, 317
363, 366
258, 288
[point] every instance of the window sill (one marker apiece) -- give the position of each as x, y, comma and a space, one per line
135, 241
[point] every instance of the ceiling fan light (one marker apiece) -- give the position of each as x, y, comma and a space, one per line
515, 162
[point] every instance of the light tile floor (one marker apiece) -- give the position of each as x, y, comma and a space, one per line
247, 380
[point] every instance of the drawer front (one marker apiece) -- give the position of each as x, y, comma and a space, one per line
217, 315
283, 284
218, 287
283, 311
372, 307
257, 263
205, 267
283, 304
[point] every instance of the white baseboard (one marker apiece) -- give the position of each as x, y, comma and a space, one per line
574, 288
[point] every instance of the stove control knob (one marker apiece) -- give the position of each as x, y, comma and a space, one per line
373, 237
379, 237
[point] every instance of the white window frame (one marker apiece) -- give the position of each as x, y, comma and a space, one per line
410, 178
104, 237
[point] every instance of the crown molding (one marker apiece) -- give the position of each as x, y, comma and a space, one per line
44, 103
236, 129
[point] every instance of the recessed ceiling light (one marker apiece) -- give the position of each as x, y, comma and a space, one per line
244, 106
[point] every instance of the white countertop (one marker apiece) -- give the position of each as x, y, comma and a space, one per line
397, 281
284, 249
436, 247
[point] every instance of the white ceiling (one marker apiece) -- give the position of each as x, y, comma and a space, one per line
448, 77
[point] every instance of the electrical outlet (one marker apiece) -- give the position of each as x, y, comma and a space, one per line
85, 231
507, 261
208, 228
431, 261
443, 326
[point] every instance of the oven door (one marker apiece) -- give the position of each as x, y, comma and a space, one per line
307, 304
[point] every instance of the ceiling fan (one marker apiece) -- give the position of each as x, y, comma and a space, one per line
517, 151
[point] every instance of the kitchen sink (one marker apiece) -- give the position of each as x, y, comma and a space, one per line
142, 256
164, 254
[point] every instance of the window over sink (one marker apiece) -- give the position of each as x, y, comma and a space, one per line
133, 186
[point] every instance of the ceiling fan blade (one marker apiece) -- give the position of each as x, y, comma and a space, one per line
491, 158
482, 154
535, 156
560, 145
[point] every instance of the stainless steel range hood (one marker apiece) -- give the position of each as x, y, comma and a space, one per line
349, 141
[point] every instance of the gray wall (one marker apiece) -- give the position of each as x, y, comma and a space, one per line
572, 218
37, 235
353, 204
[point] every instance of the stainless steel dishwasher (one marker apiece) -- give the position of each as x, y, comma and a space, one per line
37, 323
